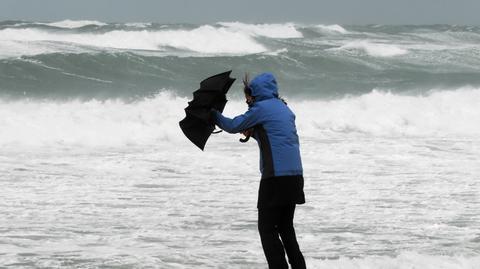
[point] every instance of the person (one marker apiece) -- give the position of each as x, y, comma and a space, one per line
272, 124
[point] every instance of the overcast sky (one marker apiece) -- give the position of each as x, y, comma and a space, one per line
203, 11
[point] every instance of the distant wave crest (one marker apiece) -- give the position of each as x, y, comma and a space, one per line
204, 39
225, 38
286, 30
334, 28
75, 23
375, 49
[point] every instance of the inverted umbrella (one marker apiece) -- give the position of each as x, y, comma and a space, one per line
198, 124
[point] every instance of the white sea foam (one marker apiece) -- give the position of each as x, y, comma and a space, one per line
138, 24
14, 48
440, 113
225, 38
285, 30
406, 260
375, 49
334, 28
95, 123
74, 23
204, 39
228, 38
116, 123
277, 52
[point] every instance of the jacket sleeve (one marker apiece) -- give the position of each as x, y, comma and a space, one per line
239, 123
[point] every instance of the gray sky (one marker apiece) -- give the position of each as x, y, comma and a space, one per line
202, 11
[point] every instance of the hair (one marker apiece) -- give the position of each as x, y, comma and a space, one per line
246, 82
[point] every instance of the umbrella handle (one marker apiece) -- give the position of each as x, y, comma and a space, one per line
245, 140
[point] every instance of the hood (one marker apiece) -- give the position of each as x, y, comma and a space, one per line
264, 86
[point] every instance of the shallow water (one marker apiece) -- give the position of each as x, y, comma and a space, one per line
375, 202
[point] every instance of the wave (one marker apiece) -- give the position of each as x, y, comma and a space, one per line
204, 39
138, 24
375, 49
71, 24
92, 123
334, 28
380, 113
19, 38
80, 73
406, 260
225, 38
15, 49
285, 30
125, 60
154, 120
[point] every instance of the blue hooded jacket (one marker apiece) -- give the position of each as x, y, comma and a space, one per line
274, 129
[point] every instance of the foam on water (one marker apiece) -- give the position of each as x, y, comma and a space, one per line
375, 49
92, 123
155, 120
204, 39
138, 24
223, 38
237, 38
372, 202
406, 260
439, 113
71, 24
334, 28
286, 30
16, 48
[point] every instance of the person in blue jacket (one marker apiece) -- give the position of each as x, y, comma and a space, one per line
272, 124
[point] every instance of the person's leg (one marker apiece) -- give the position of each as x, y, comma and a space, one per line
272, 246
289, 239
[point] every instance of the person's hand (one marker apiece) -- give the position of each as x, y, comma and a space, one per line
247, 132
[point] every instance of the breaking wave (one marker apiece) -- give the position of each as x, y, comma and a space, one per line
375, 49
46, 66
74, 24
155, 120
286, 30
438, 113
334, 28
233, 38
204, 39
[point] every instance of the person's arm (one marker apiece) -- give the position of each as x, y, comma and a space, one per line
239, 123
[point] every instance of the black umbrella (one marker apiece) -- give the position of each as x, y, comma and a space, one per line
198, 124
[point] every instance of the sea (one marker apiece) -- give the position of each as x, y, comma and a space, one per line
96, 173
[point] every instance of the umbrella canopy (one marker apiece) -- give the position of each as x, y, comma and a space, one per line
198, 124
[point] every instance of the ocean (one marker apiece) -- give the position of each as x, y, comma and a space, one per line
96, 173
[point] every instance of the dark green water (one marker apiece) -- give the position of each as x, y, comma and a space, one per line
131, 61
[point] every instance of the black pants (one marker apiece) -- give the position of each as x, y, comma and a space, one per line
275, 221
